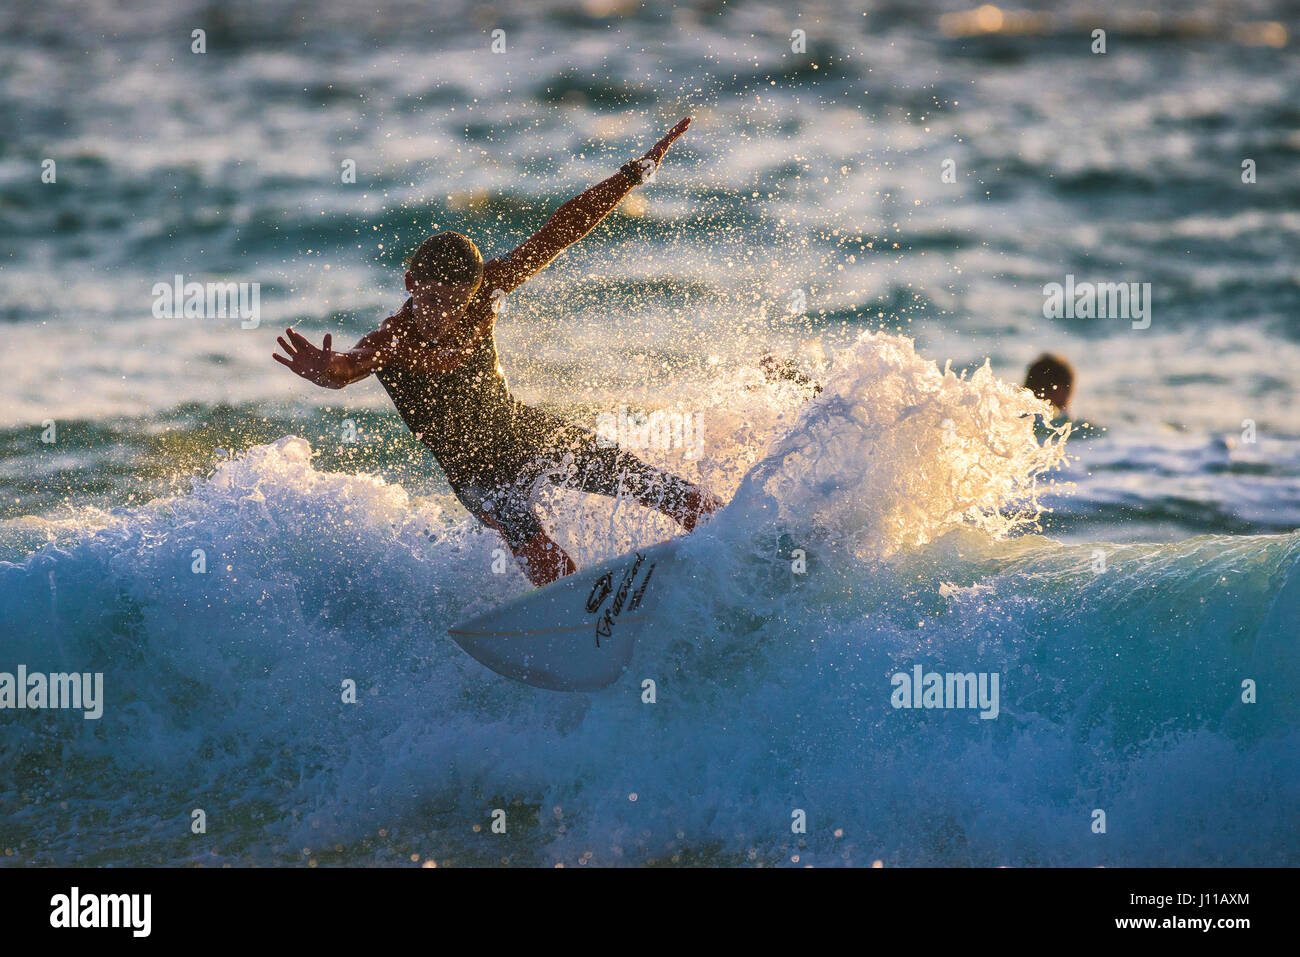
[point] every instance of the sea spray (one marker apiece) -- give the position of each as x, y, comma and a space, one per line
896, 452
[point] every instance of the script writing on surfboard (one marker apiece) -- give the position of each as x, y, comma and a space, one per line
619, 600
576, 634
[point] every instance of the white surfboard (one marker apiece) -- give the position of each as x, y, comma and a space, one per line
575, 634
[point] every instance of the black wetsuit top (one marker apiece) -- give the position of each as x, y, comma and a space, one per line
480, 434
495, 450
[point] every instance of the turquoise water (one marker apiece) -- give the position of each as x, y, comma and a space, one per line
335, 550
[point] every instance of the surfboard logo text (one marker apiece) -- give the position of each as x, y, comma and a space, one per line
626, 597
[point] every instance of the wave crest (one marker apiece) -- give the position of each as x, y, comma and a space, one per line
896, 452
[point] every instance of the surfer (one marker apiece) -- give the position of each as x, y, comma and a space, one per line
1052, 378
437, 359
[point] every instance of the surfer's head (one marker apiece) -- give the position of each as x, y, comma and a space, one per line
1052, 378
443, 275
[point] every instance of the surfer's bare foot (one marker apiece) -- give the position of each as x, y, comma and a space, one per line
544, 561
698, 505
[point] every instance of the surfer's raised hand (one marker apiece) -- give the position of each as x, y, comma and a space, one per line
656, 152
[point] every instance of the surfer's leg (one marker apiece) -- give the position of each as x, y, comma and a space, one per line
543, 560
603, 469
508, 511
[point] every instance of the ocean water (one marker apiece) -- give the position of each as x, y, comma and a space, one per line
1123, 579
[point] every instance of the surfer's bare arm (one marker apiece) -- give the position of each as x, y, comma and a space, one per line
571, 222
567, 225
324, 366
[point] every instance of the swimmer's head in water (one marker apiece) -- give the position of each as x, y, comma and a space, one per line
1051, 378
443, 274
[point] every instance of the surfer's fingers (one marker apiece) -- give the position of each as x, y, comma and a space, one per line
282, 360
675, 132
299, 339
679, 129
657, 151
289, 350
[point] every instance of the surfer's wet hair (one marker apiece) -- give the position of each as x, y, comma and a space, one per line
446, 258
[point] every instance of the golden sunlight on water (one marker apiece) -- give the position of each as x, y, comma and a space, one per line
989, 19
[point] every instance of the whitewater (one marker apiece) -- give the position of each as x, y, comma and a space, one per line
230, 619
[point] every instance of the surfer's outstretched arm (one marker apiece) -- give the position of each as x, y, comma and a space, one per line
575, 219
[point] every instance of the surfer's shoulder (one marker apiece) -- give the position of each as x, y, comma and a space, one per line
399, 320
498, 280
